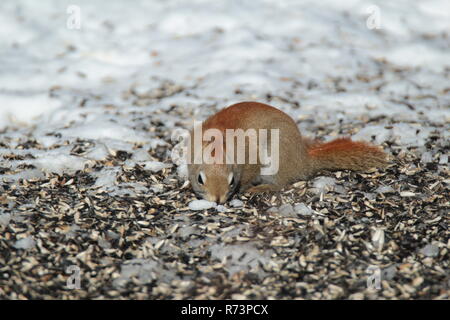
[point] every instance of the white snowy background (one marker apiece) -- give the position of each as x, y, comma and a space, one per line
301, 51
320, 61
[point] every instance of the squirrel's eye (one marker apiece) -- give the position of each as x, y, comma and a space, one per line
200, 178
231, 179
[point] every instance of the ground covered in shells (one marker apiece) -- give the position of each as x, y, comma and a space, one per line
92, 205
318, 239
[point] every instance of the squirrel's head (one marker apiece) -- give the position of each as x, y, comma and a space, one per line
214, 182
212, 177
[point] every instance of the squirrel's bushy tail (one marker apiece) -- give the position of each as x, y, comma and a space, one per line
344, 153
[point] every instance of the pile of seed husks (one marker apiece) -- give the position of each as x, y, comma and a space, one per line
382, 234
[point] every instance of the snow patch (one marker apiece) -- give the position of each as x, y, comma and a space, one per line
238, 258
25, 243
197, 205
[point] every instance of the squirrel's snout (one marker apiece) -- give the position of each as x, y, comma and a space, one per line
216, 198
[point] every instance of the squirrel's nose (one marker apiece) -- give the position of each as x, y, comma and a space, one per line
212, 198
222, 199
216, 198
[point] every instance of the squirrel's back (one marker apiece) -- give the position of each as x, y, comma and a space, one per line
248, 115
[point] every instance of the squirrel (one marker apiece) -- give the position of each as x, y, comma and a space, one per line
299, 158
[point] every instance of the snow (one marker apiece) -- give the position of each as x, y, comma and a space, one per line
389, 272
106, 177
236, 203
145, 270
23, 109
221, 208
140, 155
25, 243
76, 78
380, 133
56, 162
182, 171
286, 210
405, 134
201, 205
103, 130
303, 209
5, 218
385, 189
426, 157
244, 257
156, 166
430, 250
323, 184
62, 87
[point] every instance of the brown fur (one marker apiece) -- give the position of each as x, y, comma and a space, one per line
300, 158
344, 153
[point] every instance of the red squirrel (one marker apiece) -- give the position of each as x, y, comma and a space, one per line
299, 158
